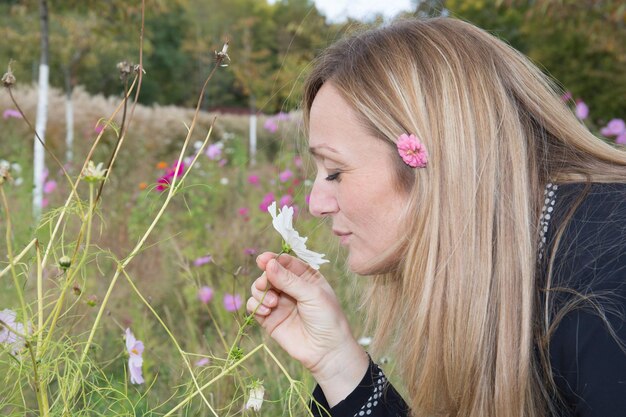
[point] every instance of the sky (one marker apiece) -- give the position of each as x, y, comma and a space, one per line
339, 10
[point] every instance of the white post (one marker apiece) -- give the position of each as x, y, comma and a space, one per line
69, 125
40, 128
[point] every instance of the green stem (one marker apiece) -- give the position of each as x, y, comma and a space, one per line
74, 185
68, 278
40, 387
292, 382
39, 300
18, 258
167, 330
18, 286
140, 244
216, 378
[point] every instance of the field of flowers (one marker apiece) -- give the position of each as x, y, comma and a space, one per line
106, 311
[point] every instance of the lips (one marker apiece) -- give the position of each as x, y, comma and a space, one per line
342, 235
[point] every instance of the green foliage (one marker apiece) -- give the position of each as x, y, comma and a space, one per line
582, 44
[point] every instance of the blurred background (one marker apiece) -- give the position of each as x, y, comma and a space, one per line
579, 42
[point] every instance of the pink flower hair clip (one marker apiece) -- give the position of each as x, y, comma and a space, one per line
412, 151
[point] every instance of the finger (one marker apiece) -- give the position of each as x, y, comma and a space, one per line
286, 281
261, 283
289, 262
264, 258
254, 307
268, 298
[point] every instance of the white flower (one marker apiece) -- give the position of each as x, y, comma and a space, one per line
256, 397
93, 173
224, 181
9, 172
5, 168
223, 55
293, 242
11, 332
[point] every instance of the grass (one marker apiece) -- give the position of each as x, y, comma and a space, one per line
78, 316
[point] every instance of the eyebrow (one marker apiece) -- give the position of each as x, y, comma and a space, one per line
314, 150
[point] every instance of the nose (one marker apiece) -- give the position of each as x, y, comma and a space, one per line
322, 201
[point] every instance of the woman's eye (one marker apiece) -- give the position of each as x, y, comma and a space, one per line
332, 177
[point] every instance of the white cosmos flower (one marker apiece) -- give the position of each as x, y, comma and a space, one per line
94, 173
256, 398
292, 241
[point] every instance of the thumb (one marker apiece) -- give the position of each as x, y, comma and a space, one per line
287, 282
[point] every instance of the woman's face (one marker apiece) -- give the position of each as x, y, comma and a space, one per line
355, 185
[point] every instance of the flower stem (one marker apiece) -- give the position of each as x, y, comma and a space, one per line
223, 373
66, 284
16, 283
40, 388
18, 258
167, 330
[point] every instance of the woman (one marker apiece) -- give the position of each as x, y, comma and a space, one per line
492, 222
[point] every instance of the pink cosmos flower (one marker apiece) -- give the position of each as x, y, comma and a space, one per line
243, 212
307, 198
615, 127
203, 260
582, 110
44, 202
135, 360
205, 294
285, 175
214, 151
98, 128
44, 175
11, 114
270, 125
49, 186
286, 200
249, 251
165, 181
202, 362
297, 161
412, 151
253, 179
222, 162
267, 200
232, 302
281, 116
621, 139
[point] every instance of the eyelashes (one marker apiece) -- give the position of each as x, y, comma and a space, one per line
333, 177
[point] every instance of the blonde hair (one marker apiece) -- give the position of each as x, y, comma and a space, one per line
462, 306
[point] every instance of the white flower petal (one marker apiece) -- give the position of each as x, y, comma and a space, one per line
256, 398
283, 223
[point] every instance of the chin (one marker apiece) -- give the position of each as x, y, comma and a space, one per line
370, 266
374, 263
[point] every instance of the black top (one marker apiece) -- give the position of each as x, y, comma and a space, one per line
588, 364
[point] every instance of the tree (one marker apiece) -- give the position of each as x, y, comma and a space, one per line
580, 43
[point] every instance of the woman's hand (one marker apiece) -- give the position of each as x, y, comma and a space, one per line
301, 312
